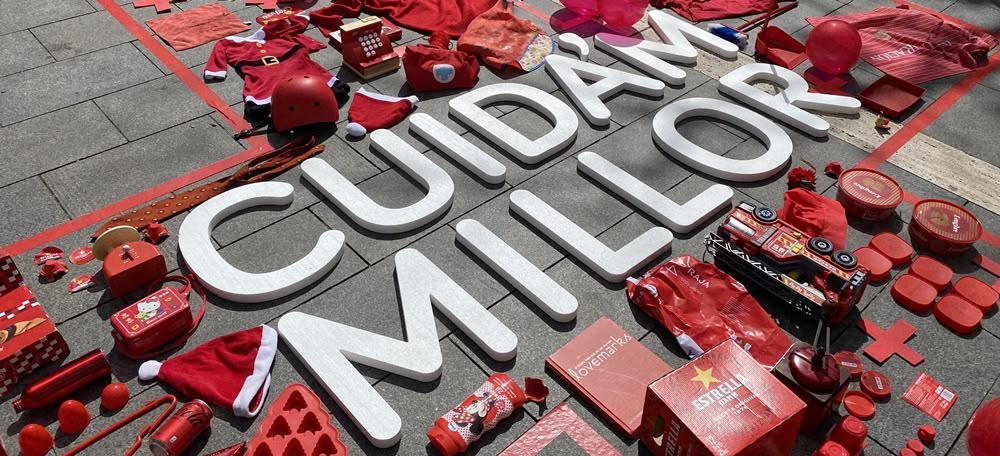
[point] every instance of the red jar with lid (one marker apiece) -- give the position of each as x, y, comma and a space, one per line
944, 228
868, 194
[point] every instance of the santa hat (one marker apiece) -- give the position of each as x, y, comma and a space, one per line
371, 111
232, 371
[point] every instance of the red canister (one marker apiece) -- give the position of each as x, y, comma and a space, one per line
177, 433
944, 228
868, 194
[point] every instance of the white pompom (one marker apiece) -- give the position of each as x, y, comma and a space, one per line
355, 129
149, 370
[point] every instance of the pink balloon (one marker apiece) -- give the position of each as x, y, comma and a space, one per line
833, 47
586, 8
622, 14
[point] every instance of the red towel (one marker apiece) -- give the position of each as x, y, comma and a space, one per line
197, 26
915, 46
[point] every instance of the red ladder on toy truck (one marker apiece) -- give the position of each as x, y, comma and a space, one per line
801, 271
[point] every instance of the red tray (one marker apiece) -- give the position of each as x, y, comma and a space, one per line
890, 95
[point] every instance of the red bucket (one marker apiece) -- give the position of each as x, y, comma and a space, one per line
944, 228
868, 194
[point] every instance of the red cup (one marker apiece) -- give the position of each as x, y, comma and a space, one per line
850, 432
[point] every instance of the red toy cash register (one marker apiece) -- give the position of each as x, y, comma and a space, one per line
367, 49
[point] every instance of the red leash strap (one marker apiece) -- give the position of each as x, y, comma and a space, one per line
165, 399
190, 282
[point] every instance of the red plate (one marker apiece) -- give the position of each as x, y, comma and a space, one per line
977, 292
932, 271
893, 247
859, 405
890, 95
957, 314
913, 293
876, 263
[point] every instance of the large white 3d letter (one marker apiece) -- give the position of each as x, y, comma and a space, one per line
471, 157
567, 71
327, 347
679, 218
469, 109
665, 134
548, 295
652, 57
611, 265
373, 216
195, 242
789, 104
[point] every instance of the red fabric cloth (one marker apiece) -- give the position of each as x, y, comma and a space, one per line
372, 111
815, 215
197, 26
429, 67
274, 40
449, 16
504, 41
703, 10
915, 46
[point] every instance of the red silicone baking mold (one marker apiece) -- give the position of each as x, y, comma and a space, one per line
932, 271
296, 425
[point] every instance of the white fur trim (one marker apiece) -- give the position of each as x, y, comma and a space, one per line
149, 370
378, 96
257, 37
215, 74
356, 129
262, 101
260, 379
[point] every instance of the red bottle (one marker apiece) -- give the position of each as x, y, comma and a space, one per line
72, 376
480, 412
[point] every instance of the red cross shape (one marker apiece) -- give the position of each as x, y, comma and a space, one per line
161, 5
268, 4
890, 342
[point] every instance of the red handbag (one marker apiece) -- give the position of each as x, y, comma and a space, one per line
145, 328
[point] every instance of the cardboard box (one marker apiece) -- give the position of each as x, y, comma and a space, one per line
720, 404
28, 337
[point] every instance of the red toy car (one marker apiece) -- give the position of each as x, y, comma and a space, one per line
802, 271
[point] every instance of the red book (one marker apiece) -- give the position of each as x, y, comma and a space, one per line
611, 369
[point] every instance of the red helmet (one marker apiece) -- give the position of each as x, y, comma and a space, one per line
302, 100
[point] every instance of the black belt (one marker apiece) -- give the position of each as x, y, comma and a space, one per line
268, 60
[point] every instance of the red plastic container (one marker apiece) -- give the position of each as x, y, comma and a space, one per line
296, 423
957, 314
913, 293
944, 228
932, 271
890, 95
859, 405
850, 432
893, 247
780, 48
876, 385
831, 449
977, 292
877, 264
852, 362
868, 194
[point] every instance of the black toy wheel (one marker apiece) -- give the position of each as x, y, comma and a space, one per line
845, 259
821, 245
765, 214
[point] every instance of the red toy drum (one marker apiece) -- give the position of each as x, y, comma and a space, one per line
133, 266
177, 433
944, 228
868, 194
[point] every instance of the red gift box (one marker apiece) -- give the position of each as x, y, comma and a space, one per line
720, 404
28, 337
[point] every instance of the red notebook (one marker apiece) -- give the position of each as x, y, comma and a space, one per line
611, 370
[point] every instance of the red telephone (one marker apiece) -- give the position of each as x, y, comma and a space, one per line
367, 49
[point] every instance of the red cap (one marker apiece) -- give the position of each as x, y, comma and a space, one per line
859, 405
851, 361
907, 452
916, 446
876, 385
926, 433
850, 433
447, 443
831, 448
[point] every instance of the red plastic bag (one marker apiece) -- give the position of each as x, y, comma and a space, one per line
504, 41
703, 307
815, 215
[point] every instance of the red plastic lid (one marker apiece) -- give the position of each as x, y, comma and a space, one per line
947, 221
818, 379
957, 314
932, 271
858, 404
851, 361
913, 293
870, 188
907, 452
831, 449
926, 433
983, 434
876, 263
850, 432
977, 292
876, 385
916, 446
446, 442
893, 247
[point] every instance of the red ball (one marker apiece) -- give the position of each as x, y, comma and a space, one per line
35, 440
114, 396
834, 47
73, 417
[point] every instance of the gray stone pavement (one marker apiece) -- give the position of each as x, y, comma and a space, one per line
89, 116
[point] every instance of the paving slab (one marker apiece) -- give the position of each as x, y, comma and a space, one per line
20, 15
153, 106
43, 89
21, 51
94, 182
75, 36
55, 139
983, 14
29, 207
959, 125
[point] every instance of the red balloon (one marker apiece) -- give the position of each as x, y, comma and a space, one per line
35, 440
73, 417
833, 47
622, 14
114, 396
